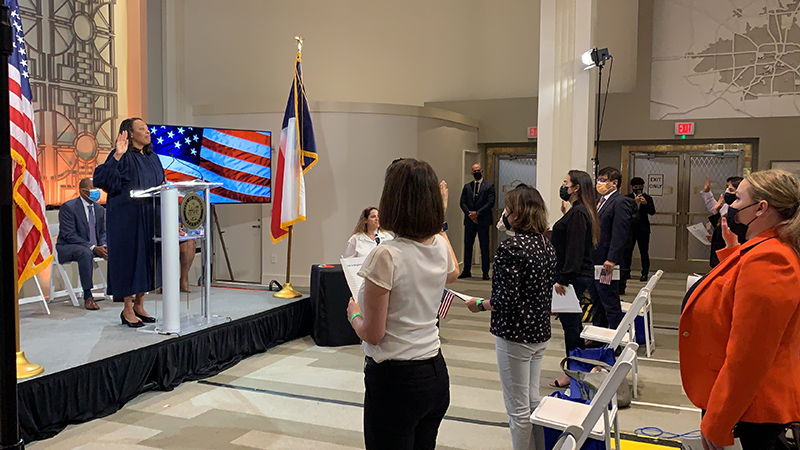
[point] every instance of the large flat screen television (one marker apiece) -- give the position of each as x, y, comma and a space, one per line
239, 159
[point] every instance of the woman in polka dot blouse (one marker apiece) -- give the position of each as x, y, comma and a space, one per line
522, 286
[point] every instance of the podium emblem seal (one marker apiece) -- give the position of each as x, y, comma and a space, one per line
193, 211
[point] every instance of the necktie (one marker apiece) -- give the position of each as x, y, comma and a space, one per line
92, 233
475, 190
600, 203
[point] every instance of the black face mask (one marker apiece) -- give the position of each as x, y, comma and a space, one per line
637, 192
729, 198
732, 212
477, 175
564, 193
506, 223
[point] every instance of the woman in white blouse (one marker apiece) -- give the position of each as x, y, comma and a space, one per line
367, 234
405, 376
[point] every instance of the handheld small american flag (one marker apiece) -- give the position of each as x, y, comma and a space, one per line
297, 154
447, 300
34, 246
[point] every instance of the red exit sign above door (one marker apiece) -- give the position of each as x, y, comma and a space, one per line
684, 128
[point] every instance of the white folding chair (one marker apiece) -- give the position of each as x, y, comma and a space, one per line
58, 267
623, 334
647, 314
561, 414
568, 439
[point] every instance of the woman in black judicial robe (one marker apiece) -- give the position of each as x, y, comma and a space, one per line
130, 223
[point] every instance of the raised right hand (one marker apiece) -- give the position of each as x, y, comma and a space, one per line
707, 186
731, 240
121, 145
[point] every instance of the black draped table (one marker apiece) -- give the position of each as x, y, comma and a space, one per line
329, 298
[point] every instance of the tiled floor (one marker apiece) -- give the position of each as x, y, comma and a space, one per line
301, 396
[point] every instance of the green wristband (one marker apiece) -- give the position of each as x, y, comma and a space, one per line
358, 314
478, 304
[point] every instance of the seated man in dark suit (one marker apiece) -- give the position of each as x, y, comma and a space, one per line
614, 213
82, 235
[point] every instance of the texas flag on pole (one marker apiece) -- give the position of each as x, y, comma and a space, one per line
297, 154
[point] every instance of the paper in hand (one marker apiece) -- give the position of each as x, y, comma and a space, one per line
567, 303
350, 267
699, 231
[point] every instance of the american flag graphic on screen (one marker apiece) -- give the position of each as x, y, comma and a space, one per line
238, 159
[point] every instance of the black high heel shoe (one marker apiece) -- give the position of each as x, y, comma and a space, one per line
145, 319
130, 324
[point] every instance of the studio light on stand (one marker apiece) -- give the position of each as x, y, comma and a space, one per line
597, 57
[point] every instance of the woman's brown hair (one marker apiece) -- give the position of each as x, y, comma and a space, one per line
530, 210
411, 203
781, 190
361, 225
587, 196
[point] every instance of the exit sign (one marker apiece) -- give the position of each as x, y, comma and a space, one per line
684, 128
533, 133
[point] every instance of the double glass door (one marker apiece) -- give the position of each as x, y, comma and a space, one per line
675, 180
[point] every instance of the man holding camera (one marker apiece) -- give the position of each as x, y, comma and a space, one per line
640, 229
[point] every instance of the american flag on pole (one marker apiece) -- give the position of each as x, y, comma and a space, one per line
297, 154
34, 246
447, 300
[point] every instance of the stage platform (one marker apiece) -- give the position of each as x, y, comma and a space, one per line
94, 365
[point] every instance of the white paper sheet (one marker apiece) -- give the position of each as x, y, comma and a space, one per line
350, 267
699, 231
463, 297
567, 303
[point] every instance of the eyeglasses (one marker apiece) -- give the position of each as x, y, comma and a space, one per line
602, 180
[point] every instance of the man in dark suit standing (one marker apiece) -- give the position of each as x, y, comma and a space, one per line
614, 213
477, 201
82, 235
640, 229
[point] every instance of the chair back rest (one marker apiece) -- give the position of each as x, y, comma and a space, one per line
53, 229
651, 283
626, 324
608, 390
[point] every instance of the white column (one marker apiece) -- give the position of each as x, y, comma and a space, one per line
566, 96
170, 263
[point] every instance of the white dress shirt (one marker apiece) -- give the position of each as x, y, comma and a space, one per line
605, 199
360, 244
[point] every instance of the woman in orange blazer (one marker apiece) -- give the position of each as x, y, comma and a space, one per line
739, 335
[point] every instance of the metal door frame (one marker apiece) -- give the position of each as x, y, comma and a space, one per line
681, 262
492, 169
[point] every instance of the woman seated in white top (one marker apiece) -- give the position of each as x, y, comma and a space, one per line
367, 234
405, 376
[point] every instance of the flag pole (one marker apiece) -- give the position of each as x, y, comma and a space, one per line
288, 291
25, 368
9, 412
